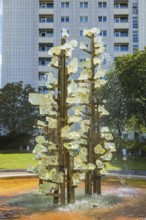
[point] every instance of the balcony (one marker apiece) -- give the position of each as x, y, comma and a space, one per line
44, 68
46, 25
121, 11
44, 11
120, 53
121, 39
124, 25
44, 54
45, 39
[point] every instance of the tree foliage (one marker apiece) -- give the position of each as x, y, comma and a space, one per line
131, 72
125, 92
116, 103
17, 115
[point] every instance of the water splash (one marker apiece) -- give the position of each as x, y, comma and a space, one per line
88, 202
35, 202
127, 191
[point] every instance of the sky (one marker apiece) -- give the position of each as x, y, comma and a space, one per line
0, 37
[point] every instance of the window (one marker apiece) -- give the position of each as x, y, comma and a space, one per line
46, 5
122, 19
122, 47
102, 4
42, 48
42, 33
64, 4
135, 36
102, 18
42, 19
42, 89
49, 20
44, 61
83, 4
46, 32
81, 33
45, 47
46, 19
83, 18
117, 34
42, 5
64, 19
121, 5
103, 33
50, 5
135, 22
135, 39
135, 8
121, 33
49, 33
42, 76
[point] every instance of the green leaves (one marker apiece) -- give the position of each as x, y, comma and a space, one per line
125, 92
47, 188
17, 115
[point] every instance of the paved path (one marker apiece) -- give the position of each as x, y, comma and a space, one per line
9, 174
16, 174
128, 174
132, 172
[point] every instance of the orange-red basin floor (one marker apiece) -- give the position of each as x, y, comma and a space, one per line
131, 208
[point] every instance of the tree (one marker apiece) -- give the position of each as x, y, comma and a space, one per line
125, 94
131, 72
116, 103
17, 115
125, 91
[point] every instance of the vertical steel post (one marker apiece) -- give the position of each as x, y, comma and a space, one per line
96, 173
89, 174
68, 160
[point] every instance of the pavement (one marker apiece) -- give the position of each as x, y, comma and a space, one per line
11, 174
16, 173
128, 174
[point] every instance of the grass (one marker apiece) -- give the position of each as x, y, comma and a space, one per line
17, 161
129, 164
25, 160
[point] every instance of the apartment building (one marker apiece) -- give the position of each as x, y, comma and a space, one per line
32, 27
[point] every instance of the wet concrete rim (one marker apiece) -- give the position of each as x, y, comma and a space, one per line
22, 173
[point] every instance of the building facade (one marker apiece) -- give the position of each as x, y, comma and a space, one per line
31, 27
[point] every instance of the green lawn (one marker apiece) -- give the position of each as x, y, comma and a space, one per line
17, 161
129, 164
25, 160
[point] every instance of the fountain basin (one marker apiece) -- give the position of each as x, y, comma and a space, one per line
123, 199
